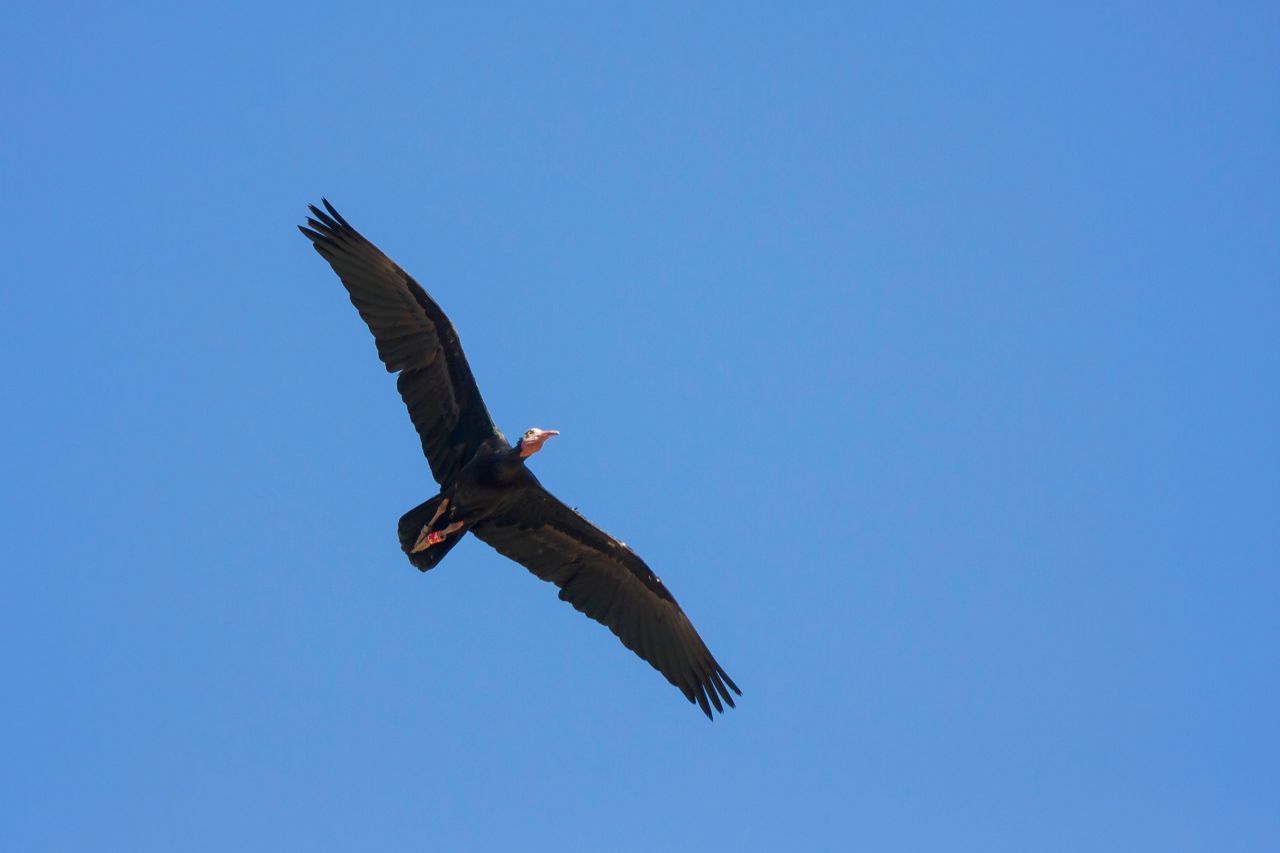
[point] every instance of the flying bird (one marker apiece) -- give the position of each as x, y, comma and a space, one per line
486, 487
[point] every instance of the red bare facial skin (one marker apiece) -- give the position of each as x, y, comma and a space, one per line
531, 442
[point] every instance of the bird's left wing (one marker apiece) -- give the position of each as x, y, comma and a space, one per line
415, 338
607, 581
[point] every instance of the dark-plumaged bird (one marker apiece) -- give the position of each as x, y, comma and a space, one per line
486, 487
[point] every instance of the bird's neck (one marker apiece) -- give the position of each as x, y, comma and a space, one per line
512, 460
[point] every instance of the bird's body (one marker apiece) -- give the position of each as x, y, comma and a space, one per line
486, 487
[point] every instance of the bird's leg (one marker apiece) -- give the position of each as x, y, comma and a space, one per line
444, 504
429, 536
424, 538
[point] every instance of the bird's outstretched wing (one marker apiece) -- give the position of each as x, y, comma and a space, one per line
415, 338
604, 579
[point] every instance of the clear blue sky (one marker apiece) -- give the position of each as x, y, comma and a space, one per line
930, 355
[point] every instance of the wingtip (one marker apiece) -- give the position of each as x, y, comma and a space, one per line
335, 214
319, 237
713, 692
714, 697
723, 679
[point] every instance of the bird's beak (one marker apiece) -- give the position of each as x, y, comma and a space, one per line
550, 432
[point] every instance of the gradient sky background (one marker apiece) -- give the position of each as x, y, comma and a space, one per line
930, 355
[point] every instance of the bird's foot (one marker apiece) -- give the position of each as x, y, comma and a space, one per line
431, 537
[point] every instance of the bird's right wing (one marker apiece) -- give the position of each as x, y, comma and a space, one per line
414, 337
607, 581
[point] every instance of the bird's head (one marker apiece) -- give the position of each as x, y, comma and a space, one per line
533, 439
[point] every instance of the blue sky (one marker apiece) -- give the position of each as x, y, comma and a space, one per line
929, 354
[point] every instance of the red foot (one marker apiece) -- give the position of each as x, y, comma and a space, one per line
435, 537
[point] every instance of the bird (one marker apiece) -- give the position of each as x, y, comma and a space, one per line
485, 485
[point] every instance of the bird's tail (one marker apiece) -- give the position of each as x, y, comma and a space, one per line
411, 524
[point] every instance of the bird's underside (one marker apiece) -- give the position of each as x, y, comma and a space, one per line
486, 488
